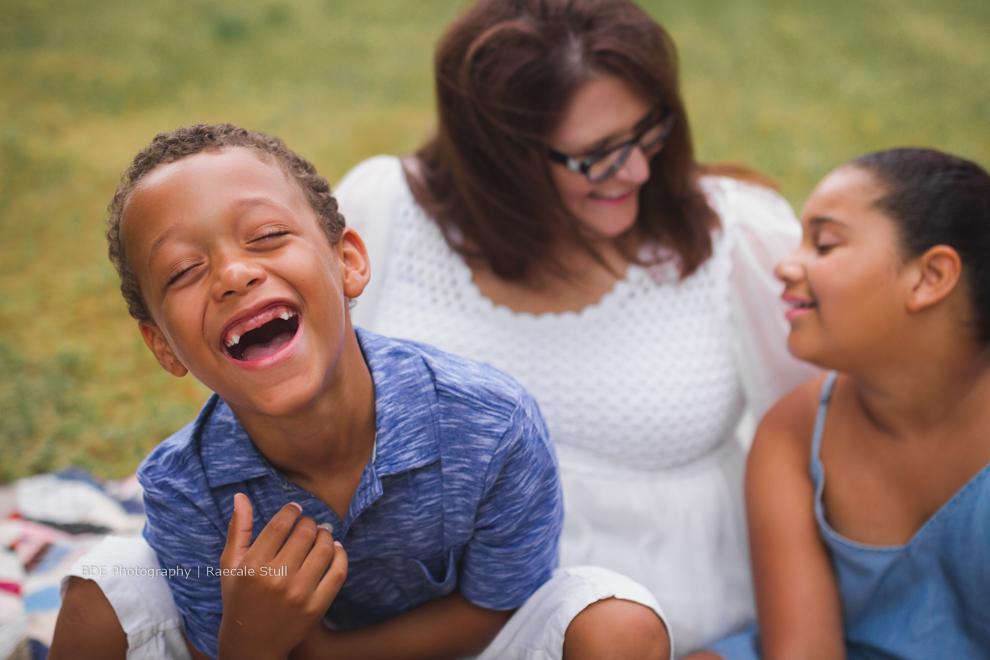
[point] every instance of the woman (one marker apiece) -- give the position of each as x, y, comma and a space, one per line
559, 228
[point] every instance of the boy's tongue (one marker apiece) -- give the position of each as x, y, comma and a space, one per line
262, 350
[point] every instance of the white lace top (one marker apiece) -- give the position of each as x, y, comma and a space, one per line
653, 376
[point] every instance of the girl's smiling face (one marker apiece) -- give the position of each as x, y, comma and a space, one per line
845, 284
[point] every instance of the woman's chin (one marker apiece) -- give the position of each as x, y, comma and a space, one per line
609, 226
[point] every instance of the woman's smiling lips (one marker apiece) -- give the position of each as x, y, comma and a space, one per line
602, 198
798, 306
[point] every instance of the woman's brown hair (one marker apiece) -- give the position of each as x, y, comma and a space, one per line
505, 72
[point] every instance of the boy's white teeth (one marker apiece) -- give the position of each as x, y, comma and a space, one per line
257, 321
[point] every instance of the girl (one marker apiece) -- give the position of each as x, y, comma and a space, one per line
889, 556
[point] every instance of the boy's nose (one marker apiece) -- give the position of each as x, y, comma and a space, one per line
238, 277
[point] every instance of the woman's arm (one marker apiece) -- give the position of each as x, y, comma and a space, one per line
761, 229
797, 598
369, 197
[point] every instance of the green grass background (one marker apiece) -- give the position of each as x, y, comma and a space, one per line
793, 88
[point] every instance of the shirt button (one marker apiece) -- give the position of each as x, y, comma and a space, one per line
327, 526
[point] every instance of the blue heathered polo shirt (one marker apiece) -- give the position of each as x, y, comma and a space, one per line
461, 494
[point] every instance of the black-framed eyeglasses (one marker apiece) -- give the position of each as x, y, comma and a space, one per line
597, 167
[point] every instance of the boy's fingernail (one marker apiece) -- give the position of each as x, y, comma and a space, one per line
338, 544
297, 505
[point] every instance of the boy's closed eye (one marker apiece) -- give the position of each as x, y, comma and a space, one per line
181, 272
268, 238
269, 235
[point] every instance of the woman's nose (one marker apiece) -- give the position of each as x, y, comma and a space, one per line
636, 169
237, 277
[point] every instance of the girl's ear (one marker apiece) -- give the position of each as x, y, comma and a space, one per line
936, 274
156, 341
354, 257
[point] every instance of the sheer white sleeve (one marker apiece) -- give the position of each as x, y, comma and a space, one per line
761, 229
369, 197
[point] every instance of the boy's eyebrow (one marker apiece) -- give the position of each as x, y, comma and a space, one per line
242, 203
158, 243
248, 202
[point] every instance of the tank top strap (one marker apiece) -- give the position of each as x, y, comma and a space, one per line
823, 400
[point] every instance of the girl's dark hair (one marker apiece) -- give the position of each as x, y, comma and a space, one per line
190, 140
938, 199
505, 72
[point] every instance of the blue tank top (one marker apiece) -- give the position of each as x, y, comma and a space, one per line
928, 598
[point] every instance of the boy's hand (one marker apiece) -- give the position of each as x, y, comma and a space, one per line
286, 586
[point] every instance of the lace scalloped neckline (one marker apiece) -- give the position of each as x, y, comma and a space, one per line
665, 273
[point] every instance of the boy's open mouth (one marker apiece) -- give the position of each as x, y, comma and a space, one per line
262, 335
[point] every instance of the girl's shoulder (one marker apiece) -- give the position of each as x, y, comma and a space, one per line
784, 435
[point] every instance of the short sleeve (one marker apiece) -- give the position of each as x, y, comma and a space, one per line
514, 547
185, 537
370, 197
761, 230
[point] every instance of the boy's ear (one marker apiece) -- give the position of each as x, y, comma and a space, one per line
935, 275
354, 258
156, 341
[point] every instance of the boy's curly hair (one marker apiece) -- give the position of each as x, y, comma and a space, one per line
190, 140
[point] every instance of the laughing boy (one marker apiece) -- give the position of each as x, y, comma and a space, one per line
436, 474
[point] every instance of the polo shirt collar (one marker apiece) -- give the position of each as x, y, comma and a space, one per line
406, 419
228, 454
406, 405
